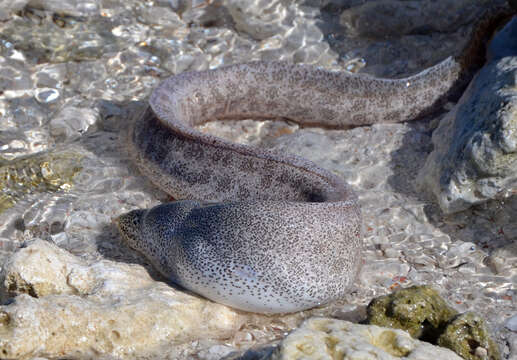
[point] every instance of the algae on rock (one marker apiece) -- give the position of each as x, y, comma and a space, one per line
48, 172
426, 316
467, 335
419, 310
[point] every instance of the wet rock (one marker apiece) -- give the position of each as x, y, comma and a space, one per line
259, 24
468, 336
511, 324
163, 16
47, 172
475, 146
8, 7
503, 260
505, 43
71, 122
66, 307
262, 353
324, 338
418, 309
13, 77
68, 7
379, 19
49, 42
425, 315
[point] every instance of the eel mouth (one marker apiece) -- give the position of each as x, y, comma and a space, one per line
129, 226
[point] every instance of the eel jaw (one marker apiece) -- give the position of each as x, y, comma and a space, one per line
130, 225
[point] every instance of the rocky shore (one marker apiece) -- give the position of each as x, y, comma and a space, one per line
436, 193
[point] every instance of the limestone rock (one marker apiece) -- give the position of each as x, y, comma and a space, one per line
44, 269
324, 338
475, 146
66, 307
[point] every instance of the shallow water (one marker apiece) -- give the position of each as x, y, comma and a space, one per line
72, 74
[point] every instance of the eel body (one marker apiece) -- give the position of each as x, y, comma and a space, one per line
263, 231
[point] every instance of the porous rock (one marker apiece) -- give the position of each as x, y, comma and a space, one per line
44, 269
475, 146
468, 336
325, 338
65, 307
418, 309
426, 316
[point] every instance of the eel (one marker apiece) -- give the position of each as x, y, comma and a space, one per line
257, 230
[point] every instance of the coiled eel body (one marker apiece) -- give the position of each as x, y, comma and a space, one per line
263, 231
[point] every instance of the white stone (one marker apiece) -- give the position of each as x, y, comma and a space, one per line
325, 338
101, 310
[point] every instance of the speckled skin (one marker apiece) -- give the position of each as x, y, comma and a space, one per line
284, 235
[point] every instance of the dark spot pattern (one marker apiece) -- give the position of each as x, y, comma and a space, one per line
262, 231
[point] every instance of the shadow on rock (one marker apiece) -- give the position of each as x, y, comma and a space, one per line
489, 225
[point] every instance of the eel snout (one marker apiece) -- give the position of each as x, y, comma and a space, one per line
129, 225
